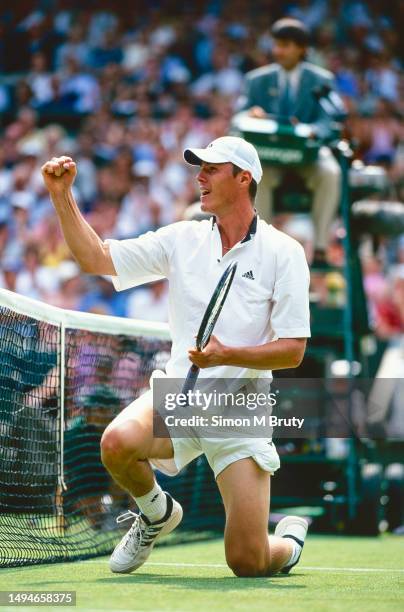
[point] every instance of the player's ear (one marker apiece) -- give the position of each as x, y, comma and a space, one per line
245, 178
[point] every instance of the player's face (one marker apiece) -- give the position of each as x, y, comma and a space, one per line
287, 53
218, 187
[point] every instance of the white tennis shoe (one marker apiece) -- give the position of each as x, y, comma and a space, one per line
137, 544
294, 527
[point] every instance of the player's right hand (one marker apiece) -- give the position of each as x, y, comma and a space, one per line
59, 173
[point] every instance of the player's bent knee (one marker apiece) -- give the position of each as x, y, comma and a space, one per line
116, 444
247, 562
247, 566
110, 447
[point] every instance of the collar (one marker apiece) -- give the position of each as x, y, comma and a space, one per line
252, 230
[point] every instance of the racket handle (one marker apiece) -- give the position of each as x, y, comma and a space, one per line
192, 377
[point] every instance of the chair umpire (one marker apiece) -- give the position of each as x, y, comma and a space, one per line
285, 89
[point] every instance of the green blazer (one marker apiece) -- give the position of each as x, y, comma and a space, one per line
262, 89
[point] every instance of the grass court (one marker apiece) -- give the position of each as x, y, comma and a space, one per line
335, 573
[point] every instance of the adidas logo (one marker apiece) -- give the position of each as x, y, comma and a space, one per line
248, 274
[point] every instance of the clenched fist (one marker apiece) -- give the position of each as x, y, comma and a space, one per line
59, 174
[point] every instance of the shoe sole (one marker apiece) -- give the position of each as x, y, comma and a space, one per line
173, 522
282, 527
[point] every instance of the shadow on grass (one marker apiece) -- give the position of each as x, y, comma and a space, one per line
222, 583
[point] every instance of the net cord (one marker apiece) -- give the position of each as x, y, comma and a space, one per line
82, 320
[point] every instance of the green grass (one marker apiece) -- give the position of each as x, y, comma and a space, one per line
204, 583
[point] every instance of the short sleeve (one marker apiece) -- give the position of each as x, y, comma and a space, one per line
290, 315
144, 259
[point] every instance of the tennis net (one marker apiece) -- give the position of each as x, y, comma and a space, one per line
64, 376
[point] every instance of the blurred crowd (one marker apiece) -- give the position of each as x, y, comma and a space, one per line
124, 87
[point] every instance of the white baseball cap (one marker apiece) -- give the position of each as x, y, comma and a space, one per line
228, 149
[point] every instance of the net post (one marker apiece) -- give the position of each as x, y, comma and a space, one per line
61, 486
62, 401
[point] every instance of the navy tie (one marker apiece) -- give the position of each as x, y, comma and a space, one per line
285, 102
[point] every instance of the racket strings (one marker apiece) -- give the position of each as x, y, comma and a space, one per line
217, 307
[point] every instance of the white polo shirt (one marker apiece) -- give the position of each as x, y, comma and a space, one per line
269, 297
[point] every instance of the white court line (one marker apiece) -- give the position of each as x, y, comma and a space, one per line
352, 569
303, 567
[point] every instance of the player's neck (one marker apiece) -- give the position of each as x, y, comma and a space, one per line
234, 226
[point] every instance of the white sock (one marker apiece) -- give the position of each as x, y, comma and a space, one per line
153, 504
297, 549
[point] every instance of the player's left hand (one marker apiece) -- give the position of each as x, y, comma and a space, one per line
212, 355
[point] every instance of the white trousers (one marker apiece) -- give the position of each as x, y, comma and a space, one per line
323, 177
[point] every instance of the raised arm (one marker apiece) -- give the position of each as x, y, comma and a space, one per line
90, 252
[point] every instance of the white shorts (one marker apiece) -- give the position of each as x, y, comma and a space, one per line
220, 452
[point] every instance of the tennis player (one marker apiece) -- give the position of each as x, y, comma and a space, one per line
263, 326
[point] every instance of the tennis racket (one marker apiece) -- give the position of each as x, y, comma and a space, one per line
210, 317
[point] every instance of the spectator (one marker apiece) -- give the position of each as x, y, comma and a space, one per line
70, 286
108, 52
150, 303
33, 279
380, 134
224, 78
81, 86
40, 80
310, 13
382, 78
147, 206
103, 298
76, 46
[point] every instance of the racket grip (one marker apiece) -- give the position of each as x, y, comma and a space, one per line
192, 377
